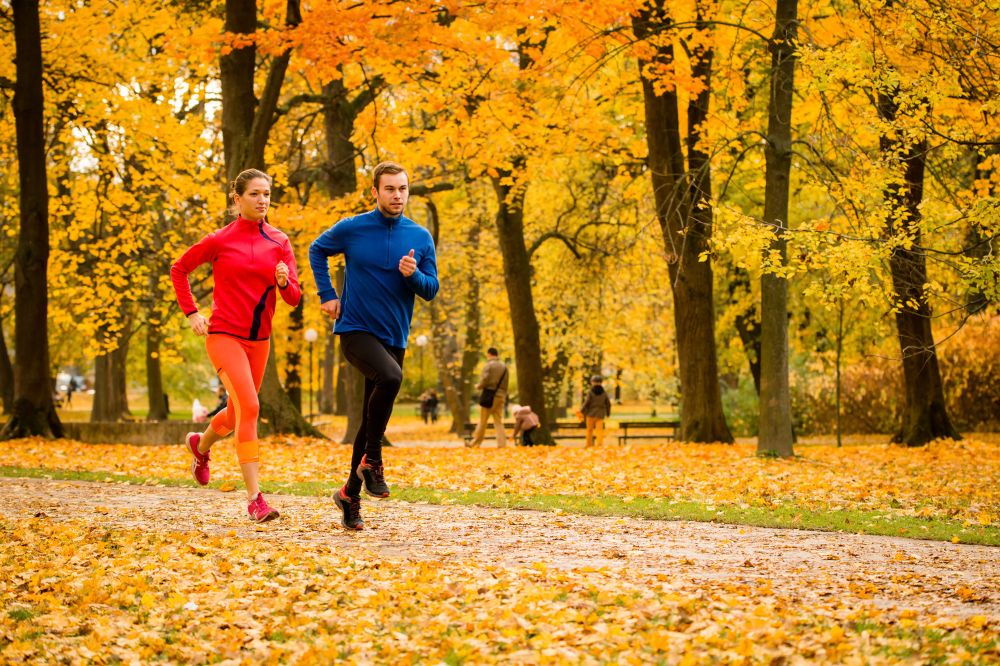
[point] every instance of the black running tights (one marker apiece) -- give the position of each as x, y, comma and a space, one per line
382, 367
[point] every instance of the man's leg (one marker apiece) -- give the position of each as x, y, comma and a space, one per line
484, 417
498, 403
383, 367
599, 427
353, 487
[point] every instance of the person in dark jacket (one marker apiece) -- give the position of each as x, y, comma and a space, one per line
596, 407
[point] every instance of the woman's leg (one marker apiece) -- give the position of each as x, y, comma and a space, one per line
241, 365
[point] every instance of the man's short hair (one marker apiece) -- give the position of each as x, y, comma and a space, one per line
492, 351
390, 168
597, 378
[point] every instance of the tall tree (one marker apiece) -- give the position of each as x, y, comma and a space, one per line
682, 197
775, 431
246, 125
925, 415
34, 412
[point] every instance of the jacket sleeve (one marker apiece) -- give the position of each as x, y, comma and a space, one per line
196, 255
327, 244
424, 281
607, 403
291, 292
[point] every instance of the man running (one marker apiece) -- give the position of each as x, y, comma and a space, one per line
389, 259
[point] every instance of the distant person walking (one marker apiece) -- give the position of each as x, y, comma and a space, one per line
251, 263
70, 387
596, 407
493, 385
389, 260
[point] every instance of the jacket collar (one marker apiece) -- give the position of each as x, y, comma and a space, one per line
385, 219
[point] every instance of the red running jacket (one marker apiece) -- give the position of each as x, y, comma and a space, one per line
243, 255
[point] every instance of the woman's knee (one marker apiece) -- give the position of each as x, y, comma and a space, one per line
249, 407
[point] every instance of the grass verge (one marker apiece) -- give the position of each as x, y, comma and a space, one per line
785, 516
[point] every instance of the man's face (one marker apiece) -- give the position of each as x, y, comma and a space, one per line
393, 190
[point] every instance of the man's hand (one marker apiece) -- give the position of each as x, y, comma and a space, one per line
281, 274
408, 265
331, 308
198, 323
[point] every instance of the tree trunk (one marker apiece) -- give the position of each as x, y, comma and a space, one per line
325, 403
775, 431
455, 361
34, 411
6, 373
110, 394
517, 277
747, 322
154, 340
686, 226
246, 124
293, 355
555, 386
925, 416
154, 374
339, 116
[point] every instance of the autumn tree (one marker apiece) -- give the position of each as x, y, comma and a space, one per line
34, 411
246, 125
682, 190
775, 433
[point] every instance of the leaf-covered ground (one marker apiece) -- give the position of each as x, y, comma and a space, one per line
133, 574
118, 572
953, 480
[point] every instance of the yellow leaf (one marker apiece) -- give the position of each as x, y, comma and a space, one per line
227, 487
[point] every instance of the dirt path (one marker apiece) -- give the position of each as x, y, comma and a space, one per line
906, 573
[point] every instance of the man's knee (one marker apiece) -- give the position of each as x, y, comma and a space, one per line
391, 380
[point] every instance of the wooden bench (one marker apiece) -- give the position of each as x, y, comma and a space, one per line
561, 430
664, 429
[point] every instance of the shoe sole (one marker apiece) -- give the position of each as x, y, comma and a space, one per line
343, 523
271, 515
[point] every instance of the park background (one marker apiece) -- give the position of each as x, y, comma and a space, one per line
718, 205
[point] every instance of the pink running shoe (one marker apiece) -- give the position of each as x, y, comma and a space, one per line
199, 466
259, 511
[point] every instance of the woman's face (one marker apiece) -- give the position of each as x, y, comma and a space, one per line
255, 200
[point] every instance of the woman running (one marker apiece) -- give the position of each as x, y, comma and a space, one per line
251, 262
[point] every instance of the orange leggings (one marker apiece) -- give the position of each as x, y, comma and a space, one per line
240, 365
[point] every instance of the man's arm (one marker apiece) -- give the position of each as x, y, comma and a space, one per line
327, 244
424, 280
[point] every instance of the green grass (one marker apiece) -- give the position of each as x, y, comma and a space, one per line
785, 516
21, 614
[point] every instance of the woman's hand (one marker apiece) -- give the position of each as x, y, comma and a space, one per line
281, 274
198, 323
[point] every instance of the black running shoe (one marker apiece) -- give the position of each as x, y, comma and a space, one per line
351, 507
374, 478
